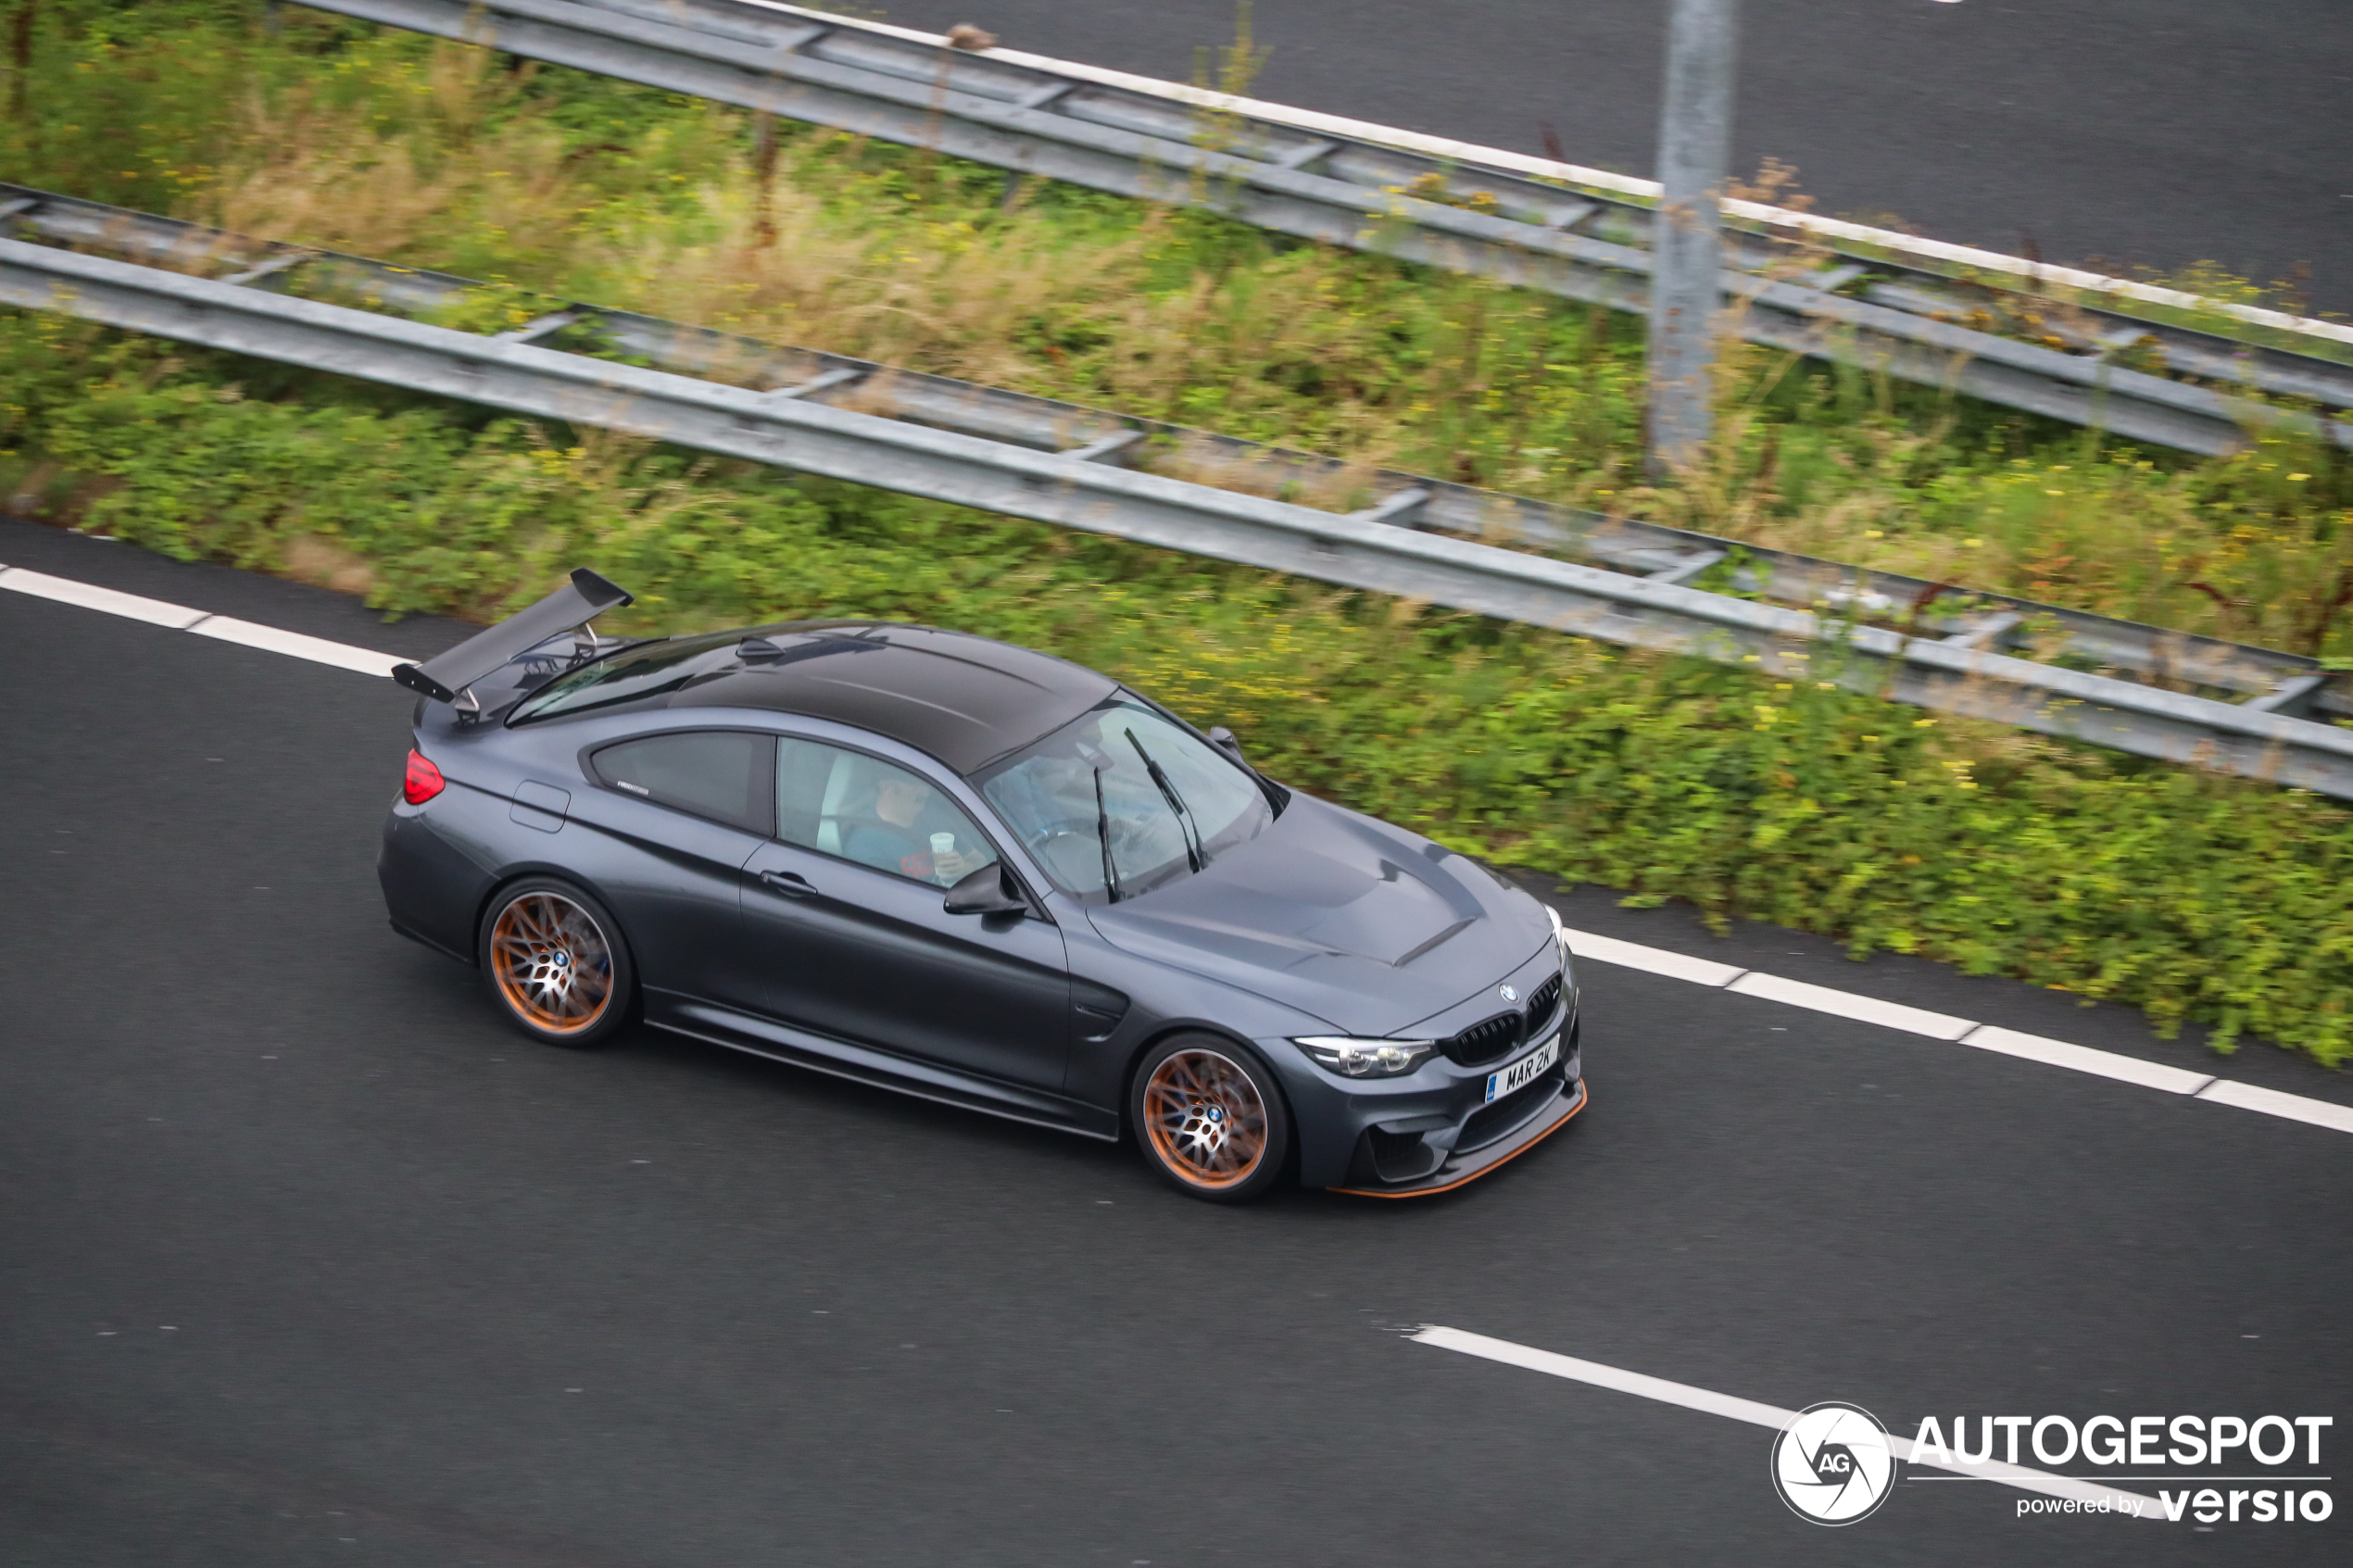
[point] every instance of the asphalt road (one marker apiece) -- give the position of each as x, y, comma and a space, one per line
304, 1258
2116, 132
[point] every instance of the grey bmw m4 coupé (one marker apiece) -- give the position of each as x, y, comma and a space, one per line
969, 871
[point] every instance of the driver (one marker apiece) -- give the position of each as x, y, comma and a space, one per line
908, 815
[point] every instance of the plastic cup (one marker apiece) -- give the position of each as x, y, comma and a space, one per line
942, 843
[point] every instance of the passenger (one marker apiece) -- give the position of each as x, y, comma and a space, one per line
909, 816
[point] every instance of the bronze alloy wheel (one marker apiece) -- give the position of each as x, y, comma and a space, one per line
1205, 1119
552, 963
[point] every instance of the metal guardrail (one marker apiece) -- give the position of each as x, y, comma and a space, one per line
1997, 623
2255, 323
1366, 197
1005, 472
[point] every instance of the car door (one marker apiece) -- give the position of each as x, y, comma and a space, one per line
679, 814
843, 922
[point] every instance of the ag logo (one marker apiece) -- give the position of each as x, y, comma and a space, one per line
1832, 1464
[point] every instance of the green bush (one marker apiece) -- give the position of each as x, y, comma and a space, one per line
2191, 895
430, 153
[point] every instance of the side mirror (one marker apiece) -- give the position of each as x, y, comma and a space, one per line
989, 891
1223, 739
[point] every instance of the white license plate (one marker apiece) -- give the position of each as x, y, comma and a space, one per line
1523, 1072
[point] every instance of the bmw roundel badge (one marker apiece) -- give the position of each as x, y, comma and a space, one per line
1509, 993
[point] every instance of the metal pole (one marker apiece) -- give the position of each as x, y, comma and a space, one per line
1694, 157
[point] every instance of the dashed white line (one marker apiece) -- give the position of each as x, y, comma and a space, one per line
1734, 1408
1958, 1030
1846, 1004
296, 645
88, 595
1583, 943
204, 624
2295, 1108
1651, 960
2084, 1059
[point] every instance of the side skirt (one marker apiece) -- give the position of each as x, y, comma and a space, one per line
422, 940
862, 1065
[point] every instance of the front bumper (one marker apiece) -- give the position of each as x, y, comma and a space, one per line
1458, 1136
1433, 1128
1564, 1102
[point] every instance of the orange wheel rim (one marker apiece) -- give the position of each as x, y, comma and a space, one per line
1205, 1120
552, 963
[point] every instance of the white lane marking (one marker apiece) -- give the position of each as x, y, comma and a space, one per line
319, 650
1651, 960
1846, 1004
2295, 1108
66, 590
1963, 1031
2107, 1064
1732, 1408
204, 624
1583, 943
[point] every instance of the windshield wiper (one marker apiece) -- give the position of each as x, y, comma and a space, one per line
1099, 764
1193, 854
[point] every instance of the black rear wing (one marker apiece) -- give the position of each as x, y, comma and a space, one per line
445, 675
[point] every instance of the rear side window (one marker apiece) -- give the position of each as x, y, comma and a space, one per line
718, 773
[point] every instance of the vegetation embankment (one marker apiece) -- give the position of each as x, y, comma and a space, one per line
2191, 895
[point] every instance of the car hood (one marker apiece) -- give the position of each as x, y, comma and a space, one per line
1361, 924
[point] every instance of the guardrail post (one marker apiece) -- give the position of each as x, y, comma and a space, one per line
1694, 157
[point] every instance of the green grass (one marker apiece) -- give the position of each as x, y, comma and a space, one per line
431, 154
2191, 895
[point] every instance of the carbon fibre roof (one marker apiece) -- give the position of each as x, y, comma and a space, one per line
965, 699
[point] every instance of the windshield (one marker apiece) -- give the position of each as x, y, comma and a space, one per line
633, 672
1048, 796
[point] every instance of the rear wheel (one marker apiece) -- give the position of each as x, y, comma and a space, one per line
554, 959
1210, 1118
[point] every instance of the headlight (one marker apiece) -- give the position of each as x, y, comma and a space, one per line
1560, 935
1367, 1058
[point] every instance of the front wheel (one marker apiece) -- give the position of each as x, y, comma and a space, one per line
554, 959
1210, 1118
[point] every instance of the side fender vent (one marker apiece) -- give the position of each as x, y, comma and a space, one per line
1098, 1010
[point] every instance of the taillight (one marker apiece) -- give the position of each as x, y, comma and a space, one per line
423, 782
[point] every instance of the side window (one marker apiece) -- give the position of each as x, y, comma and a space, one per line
717, 773
874, 812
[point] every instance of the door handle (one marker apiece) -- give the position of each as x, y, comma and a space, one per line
792, 884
